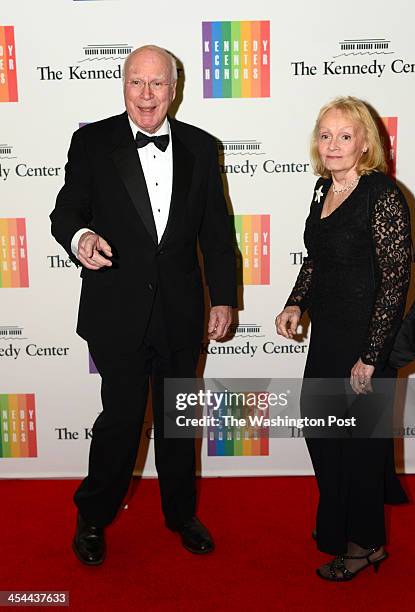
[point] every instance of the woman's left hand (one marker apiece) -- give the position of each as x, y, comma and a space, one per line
361, 376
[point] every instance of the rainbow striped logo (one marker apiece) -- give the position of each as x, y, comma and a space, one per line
246, 441
252, 234
236, 59
18, 425
391, 126
13, 253
92, 366
8, 74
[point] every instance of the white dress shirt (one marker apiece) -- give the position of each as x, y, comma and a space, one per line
158, 173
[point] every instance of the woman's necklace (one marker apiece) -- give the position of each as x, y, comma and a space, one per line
346, 187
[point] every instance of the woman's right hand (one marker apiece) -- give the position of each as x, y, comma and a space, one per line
287, 321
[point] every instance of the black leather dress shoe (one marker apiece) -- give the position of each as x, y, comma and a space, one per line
89, 542
195, 537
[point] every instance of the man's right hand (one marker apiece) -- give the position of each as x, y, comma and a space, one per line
90, 249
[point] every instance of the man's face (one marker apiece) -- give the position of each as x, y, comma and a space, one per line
148, 89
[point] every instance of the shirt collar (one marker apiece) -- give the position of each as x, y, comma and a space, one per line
163, 129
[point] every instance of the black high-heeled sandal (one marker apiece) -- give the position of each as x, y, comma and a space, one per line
338, 565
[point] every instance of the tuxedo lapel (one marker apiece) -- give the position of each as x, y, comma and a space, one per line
183, 162
128, 165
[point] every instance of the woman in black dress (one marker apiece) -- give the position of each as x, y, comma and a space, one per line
354, 284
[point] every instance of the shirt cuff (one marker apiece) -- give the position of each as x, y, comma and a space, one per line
75, 240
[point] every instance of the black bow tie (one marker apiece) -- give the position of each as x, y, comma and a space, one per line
161, 142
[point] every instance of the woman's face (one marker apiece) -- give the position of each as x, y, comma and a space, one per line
341, 141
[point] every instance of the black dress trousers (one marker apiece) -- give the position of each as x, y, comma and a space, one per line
117, 430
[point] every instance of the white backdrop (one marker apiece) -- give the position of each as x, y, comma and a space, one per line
48, 397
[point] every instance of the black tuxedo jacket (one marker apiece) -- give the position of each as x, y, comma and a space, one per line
105, 190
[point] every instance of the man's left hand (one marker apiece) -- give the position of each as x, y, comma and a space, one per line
219, 320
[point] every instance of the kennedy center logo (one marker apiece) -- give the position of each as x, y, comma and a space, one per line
252, 233
8, 75
391, 126
17, 425
236, 59
13, 253
248, 440
92, 366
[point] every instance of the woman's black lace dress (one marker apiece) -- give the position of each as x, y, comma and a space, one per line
353, 284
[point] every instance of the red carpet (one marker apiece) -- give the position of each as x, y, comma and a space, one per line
264, 559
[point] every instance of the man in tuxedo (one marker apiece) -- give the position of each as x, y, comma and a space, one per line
141, 191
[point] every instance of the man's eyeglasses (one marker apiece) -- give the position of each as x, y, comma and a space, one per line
153, 85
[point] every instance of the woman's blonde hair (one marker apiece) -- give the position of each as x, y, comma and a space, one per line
373, 160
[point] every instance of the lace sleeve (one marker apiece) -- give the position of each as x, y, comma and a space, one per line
391, 232
301, 292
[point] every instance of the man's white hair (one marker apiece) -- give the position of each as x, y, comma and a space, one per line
169, 56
